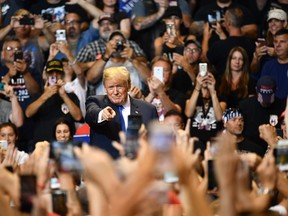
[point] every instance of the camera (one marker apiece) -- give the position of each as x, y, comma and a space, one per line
18, 55
26, 20
119, 46
47, 16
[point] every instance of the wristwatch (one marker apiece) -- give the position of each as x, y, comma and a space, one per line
105, 59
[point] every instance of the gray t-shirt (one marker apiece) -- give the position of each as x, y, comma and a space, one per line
5, 108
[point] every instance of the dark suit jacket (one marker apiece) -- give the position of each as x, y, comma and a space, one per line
102, 134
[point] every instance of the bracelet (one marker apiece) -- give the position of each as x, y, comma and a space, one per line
105, 59
197, 89
73, 62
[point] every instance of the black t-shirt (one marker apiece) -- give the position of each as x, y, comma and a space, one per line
182, 82
232, 99
204, 124
48, 113
218, 53
255, 115
57, 10
202, 13
247, 145
119, 16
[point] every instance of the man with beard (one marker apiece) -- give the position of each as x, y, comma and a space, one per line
77, 39
105, 53
186, 67
234, 124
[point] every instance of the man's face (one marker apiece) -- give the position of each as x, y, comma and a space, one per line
106, 27
166, 70
72, 25
117, 89
281, 46
174, 121
235, 126
10, 49
237, 62
192, 53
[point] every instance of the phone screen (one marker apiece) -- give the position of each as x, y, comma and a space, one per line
203, 69
2, 86
158, 73
59, 198
280, 153
66, 160
28, 191
132, 134
60, 35
212, 182
170, 29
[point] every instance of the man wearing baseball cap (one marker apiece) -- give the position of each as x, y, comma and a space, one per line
263, 108
52, 104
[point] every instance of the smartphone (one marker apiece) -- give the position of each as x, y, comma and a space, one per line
26, 20
132, 134
170, 29
280, 153
52, 80
211, 20
203, 69
28, 191
170, 177
54, 183
262, 42
161, 136
279, 132
18, 55
212, 182
66, 160
158, 73
2, 84
47, 16
59, 199
3, 144
60, 35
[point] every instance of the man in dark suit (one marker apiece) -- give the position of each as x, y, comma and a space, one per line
103, 111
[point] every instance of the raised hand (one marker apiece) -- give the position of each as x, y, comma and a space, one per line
108, 114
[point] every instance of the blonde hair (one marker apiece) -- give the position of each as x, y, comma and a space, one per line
120, 72
22, 12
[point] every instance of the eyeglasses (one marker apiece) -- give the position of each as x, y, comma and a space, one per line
12, 48
118, 88
191, 50
72, 22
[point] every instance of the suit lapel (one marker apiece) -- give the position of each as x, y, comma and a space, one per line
134, 107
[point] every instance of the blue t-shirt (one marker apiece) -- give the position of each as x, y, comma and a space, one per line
279, 73
86, 37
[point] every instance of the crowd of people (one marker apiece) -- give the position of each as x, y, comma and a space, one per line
144, 107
